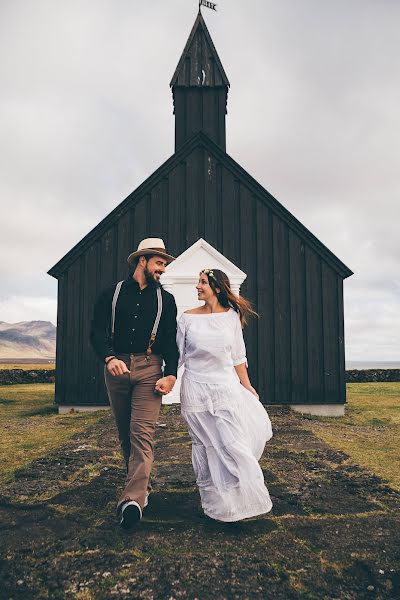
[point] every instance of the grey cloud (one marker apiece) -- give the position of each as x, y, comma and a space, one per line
86, 116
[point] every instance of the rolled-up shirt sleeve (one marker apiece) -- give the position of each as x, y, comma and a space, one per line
170, 349
238, 346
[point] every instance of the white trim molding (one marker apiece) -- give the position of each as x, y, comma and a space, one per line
319, 410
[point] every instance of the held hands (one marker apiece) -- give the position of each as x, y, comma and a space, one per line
165, 384
116, 367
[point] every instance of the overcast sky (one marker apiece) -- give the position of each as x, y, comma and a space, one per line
313, 115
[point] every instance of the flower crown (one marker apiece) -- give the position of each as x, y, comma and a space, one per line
208, 272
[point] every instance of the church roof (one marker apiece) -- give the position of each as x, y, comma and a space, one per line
199, 64
201, 140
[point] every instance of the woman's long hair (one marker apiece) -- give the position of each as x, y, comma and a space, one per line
220, 280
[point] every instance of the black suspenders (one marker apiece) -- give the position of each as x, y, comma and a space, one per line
156, 322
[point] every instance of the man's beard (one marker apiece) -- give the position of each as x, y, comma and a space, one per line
150, 279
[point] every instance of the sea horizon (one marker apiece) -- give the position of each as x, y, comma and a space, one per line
372, 364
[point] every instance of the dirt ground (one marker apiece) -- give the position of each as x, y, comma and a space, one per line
334, 531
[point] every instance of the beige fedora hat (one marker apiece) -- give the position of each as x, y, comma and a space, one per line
151, 246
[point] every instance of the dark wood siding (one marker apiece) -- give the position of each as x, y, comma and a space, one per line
331, 335
295, 349
62, 338
265, 305
298, 320
341, 360
282, 311
315, 347
247, 260
72, 355
211, 221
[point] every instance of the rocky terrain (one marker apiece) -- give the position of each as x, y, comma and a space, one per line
27, 339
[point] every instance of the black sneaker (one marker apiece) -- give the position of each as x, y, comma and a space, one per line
131, 513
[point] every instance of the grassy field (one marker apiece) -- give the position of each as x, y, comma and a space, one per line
370, 431
31, 427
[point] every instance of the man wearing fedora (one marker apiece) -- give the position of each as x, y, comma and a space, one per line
133, 332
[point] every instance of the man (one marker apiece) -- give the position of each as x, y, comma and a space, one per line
133, 331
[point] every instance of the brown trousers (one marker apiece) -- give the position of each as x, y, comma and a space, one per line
136, 406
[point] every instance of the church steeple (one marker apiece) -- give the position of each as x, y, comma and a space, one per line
200, 89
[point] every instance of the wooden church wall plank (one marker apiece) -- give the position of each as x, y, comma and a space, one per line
194, 115
165, 202
140, 222
83, 334
155, 214
298, 319
180, 109
282, 311
340, 322
210, 199
265, 305
124, 244
220, 117
248, 263
219, 207
192, 195
201, 191
92, 369
177, 209
315, 348
107, 263
209, 112
61, 345
194, 64
73, 320
230, 216
330, 335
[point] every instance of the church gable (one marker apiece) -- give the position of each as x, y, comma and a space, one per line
199, 192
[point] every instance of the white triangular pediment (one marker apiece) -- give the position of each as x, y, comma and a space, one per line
201, 255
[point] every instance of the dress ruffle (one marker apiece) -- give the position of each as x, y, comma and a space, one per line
229, 428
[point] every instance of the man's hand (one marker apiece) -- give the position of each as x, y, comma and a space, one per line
117, 367
165, 384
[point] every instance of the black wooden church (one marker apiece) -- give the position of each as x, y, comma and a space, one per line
296, 348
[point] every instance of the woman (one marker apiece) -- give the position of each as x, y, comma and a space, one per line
227, 423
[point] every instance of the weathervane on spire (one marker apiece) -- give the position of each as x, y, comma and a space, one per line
211, 5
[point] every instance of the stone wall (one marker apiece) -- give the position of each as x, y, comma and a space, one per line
371, 375
12, 376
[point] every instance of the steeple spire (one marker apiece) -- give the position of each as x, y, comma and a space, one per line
200, 89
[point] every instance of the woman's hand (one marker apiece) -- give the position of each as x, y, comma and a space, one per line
252, 390
165, 384
116, 367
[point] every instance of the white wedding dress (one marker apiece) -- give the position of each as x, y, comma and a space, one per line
227, 424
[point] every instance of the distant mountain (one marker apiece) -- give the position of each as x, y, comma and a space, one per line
27, 339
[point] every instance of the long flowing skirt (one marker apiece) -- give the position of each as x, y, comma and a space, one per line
229, 428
